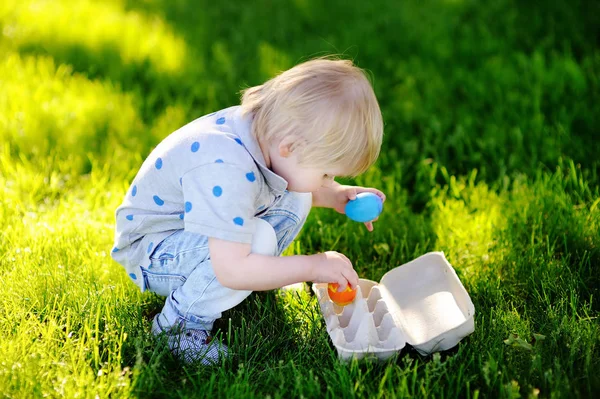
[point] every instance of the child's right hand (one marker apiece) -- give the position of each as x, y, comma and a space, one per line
334, 267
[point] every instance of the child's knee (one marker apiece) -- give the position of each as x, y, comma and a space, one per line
264, 241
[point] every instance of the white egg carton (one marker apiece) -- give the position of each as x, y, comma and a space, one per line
422, 303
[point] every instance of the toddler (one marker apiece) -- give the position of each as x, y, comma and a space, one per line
216, 202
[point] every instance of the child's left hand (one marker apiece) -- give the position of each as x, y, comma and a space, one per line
343, 194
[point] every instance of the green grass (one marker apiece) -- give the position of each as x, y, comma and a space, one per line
491, 155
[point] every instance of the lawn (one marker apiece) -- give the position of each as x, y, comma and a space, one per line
491, 155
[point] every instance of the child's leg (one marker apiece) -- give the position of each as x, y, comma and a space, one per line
182, 270
195, 298
288, 216
181, 267
199, 299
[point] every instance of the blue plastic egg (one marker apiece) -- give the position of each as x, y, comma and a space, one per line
366, 207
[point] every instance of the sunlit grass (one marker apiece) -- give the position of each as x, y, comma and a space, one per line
99, 27
66, 310
468, 220
73, 325
488, 156
46, 108
272, 61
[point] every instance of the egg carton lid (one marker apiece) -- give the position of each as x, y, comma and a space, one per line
427, 307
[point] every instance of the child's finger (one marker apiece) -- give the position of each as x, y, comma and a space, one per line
369, 226
381, 195
352, 279
346, 258
351, 193
374, 191
342, 284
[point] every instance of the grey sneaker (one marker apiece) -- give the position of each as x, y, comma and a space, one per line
191, 345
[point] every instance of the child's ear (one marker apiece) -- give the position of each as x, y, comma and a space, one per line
285, 147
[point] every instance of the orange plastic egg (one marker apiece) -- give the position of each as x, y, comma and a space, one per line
341, 298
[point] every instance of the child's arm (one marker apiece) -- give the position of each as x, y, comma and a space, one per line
237, 268
336, 196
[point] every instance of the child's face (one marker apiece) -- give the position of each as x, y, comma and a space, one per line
300, 178
303, 179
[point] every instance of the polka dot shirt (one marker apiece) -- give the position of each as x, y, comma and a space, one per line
209, 177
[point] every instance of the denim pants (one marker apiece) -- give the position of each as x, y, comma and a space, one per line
181, 267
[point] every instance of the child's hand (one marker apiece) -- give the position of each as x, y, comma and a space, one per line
334, 267
346, 193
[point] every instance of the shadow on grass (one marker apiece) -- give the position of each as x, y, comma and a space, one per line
501, 88
154, 89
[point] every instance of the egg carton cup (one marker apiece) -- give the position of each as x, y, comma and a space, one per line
421, 303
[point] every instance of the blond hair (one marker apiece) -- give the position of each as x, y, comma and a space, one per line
327, 105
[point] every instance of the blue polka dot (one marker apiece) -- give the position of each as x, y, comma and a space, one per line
129, 217
195, 146
180, 182
238, 141
158, 163
188, 207
134, 191
219, 161
133, 276
220, 121
115, 249
181, 216
239, 221
150, 247
217, 191
158, 200
250, 176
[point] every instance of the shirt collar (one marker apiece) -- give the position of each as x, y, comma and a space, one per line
242, 127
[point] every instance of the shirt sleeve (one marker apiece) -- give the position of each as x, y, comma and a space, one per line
220, 199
